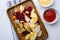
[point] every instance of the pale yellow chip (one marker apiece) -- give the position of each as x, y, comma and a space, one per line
35, 27
20, 29
16, 9
33, 14
22, 8
39, 33
27, 27
33, 10
27, 18
16, 21
34, 20
31, 36
27, 36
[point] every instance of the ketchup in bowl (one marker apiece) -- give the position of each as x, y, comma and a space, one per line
50, 15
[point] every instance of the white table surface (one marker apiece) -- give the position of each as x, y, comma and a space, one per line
5, 25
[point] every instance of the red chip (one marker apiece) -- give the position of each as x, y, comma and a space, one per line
20, 16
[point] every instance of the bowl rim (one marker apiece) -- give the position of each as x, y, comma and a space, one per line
55, 18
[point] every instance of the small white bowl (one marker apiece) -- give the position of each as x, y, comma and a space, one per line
47, 5
52, 21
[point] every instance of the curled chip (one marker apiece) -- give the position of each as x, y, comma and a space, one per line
33, 14
22, 8
39, 33
35, 27
27, 27
27, 18
34, 20
20, 29
31, 36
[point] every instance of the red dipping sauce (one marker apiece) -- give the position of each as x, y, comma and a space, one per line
50, 15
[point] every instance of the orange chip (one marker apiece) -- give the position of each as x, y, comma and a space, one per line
14, 17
